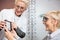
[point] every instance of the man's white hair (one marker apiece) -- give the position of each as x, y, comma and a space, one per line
25, 1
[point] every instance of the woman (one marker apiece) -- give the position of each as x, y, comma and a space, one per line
52, 22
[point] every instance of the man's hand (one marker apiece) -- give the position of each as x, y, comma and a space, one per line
8, 34
2, 24
14, 25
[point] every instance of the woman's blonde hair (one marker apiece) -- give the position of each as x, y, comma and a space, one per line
55, 15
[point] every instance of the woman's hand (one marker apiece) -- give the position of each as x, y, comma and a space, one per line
8, 34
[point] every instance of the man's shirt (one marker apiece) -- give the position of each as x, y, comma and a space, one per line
9, 14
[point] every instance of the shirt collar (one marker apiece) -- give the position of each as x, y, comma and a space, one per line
55, 33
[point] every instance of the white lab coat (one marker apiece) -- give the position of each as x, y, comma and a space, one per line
9, 14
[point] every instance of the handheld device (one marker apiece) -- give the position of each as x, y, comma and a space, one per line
8, 25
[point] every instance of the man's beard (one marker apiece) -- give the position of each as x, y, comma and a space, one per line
19, 15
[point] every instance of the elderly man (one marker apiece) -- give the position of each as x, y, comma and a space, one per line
52, 23
18, 22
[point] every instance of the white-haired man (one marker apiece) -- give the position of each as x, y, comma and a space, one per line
16, 19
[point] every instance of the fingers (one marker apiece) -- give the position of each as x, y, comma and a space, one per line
14, 25
2, 24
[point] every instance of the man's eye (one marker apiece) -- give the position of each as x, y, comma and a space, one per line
18, 6
22, 7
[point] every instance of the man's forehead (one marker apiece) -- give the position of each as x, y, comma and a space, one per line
20, 2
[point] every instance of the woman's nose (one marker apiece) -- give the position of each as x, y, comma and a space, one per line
43, 22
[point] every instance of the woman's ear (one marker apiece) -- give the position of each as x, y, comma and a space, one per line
55, 22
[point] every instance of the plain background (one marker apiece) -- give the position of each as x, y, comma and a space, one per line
6, 4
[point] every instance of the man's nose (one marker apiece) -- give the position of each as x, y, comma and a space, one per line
19, 9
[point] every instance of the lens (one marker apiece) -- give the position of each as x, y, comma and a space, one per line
45, 19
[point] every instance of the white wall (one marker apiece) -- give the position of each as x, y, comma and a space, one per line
42, 6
